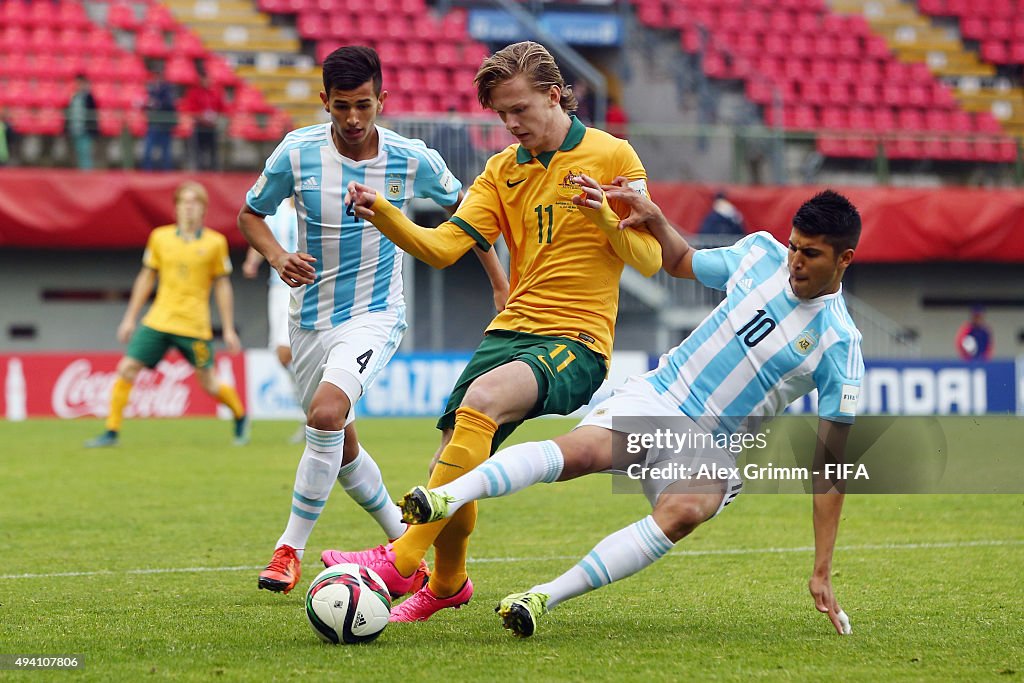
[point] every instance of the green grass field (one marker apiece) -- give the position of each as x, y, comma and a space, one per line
144, 560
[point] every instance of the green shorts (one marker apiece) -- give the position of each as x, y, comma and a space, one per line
148, 346
568, 373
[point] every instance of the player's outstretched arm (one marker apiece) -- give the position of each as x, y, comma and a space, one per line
439, 247
495, 275
828, 506
224, 295
293, 269
142, 288
635, 247
676, 253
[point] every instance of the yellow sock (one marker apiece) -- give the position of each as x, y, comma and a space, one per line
118, 400
229, 397
470, 446
451, 549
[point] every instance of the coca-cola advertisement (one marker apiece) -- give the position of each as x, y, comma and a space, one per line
78, 385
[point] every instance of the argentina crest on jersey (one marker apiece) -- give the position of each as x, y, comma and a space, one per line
395, 186
807, 340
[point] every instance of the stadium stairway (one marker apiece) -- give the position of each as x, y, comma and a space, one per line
268, 56
829, 77
913, 36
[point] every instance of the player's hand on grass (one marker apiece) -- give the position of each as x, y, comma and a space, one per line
294, 269
232, 341
359, 199
826, 603
125, 330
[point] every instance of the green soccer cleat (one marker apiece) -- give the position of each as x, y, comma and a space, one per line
107, 439
423, 506
519, 612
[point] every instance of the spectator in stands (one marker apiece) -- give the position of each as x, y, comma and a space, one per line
206, 104
974, 338
723, 219
82, 122
616, 119
585, 102
6, 138
160, 110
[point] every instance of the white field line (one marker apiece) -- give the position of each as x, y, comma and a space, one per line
560, 558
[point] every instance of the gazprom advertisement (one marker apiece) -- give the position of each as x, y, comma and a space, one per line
418, 385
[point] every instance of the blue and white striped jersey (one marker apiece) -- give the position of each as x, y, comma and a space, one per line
285, 227
358, 270
762, 347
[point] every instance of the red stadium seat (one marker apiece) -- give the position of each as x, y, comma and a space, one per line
71, 15
937, 120
160, 17
984, 122
834, 118
883, 120
876, 47
995, 51
220, 72
15, 13
181, 70
867, 94
812, 92
149, 42
973, 28
187, 43
122, 15
446, 54
837, 93
312, 26
1017, 51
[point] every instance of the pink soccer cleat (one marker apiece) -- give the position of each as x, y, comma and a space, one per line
423, 603
381, 560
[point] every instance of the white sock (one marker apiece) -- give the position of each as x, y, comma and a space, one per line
507, 471
313, 481
619, 555
362, 481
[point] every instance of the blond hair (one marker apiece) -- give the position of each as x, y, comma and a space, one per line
200, 191
528, 59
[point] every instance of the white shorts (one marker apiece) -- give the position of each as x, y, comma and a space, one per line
637, 409
349, 356
277, 315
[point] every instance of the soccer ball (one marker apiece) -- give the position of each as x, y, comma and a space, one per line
347, 604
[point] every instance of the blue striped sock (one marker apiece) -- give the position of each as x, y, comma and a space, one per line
507, 471
314, 478
619, 555
362, 481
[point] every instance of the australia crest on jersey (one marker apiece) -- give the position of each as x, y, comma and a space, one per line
807, 340
395, 186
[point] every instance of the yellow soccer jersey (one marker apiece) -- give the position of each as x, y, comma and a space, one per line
186, 271
565, 275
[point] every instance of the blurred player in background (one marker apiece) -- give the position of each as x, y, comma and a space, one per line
284, 225
548, 351
189, 260
347, 306
782, 331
